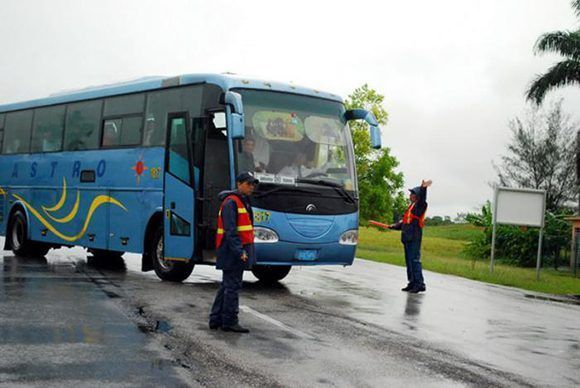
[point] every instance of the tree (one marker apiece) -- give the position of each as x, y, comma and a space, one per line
379, 184
563, 73
541, 155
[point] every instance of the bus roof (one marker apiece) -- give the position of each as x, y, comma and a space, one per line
225, 81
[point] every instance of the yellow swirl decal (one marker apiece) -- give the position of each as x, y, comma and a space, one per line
72, 213
98, 201
61, 202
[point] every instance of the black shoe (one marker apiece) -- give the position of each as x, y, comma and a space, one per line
235, 328
416, 290
214, 326
407, 288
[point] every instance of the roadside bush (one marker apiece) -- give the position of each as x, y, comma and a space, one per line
519, 245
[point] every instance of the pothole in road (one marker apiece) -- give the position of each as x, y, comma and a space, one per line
155, 327
152, 326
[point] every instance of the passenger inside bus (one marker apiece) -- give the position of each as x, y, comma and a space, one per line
246, 158
261, 153
300, 167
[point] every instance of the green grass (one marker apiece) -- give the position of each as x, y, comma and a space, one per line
443, 252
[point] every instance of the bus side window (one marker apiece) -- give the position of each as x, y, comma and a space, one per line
124, 105
178, 153
158, 104
17, 127
82, 126
124, 131
47, 129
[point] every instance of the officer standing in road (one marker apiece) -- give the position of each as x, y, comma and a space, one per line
235, 252
411, 228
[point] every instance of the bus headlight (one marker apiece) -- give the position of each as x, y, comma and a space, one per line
264, 235
350, 237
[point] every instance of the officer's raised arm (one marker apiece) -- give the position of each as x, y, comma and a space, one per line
422, 194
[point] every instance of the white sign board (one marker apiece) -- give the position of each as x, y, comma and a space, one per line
520, 207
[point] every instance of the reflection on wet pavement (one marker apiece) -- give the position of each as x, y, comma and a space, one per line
496, 325
58, 327
340, 326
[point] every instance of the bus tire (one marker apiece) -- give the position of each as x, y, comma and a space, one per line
271, 273
172, 271
20, 242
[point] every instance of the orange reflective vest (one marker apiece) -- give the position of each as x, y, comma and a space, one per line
244, 223
409, 216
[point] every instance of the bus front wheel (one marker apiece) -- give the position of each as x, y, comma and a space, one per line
21, 244
170, 270
271, 273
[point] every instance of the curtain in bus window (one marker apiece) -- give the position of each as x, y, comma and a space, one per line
17, 132
47, 129
82, 126
112, 132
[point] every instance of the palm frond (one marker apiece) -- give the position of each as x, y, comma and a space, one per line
561, 74
565, 43
576, 6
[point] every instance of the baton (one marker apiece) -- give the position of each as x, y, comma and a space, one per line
379, 224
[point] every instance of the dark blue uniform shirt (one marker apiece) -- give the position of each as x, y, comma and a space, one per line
412, 231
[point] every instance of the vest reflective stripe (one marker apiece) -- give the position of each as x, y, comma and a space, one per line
239, 228
244, 224
409, 216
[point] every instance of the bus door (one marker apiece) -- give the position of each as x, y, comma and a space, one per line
179, 191
214, 161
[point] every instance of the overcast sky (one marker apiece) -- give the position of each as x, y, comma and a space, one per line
453, 71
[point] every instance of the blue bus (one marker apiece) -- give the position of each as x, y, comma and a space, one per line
138, 166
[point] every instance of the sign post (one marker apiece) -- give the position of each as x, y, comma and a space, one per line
525, 207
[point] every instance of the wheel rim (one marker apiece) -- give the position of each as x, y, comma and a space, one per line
17, 234
164, 264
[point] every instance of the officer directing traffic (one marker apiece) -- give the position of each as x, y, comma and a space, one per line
235, 252
411, 228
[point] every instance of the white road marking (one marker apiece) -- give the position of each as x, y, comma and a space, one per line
275, 322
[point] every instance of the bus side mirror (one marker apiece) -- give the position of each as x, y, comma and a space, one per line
362, 114
235, 110
375, 137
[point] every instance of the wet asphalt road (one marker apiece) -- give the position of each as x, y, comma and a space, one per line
68, 322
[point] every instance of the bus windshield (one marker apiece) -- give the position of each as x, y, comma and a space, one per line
295, 140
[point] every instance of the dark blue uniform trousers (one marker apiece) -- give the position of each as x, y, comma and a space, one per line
413, 262
225, 309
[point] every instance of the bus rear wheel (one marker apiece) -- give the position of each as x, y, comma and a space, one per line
170, 270
271, 273
21, 244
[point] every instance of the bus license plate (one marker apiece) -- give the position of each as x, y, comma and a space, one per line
306, 254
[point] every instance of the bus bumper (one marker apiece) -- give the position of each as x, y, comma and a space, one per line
285, 253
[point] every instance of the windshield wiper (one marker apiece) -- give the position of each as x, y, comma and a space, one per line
285, 188
336, 186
